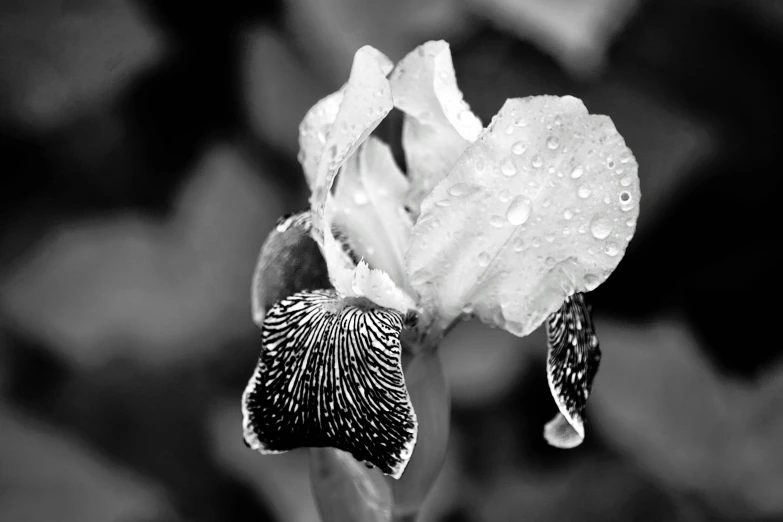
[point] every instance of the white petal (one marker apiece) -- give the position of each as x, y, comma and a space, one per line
370, 204
313, 131
542, 205
366, 101
438, 123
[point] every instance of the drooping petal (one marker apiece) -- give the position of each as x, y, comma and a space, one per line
573, 357
438, 124
541, 206
370, 207
329, 375
365, 102
290, 262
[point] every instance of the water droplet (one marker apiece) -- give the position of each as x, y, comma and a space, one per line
508, 168
591, 282
611, 249
510, 130
536, 243
458, 190
566, 231
519, 210
577, 172
379, 93
568, 214
626, 156
519, 244
553, 142
443, 203
497, 221
360, 198
610, 162
518, 148
504, 196
483, 259
625, 196
584, 192
546, 203
600, 227
519, 122
549, 238
467, 309
558, 120
550, 261
631, 222
551, 170
536, 162
626, 181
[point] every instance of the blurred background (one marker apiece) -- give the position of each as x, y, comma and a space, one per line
148, 148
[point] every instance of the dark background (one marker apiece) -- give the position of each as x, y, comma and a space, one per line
148, 147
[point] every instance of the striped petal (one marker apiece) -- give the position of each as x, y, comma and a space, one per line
572, 362
289, 262
330, 375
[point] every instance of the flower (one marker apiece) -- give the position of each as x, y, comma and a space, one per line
512, 224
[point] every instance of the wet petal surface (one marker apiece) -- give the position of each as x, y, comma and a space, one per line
313, 131
330, 375
573, 356
370, 207
365, 102
541, 206
438, 124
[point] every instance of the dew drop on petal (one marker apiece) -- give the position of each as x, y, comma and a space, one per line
504, 196
508, 168
558, 120
631, 222
566, 231
483, 259
537, 161
584, 192
519, 122
549, 261
497, 221
510, 130
611, 249
518, 148
553, 142
519, 210
626, 181
610, 163
600, 227
443, 203
577, 172
568, 214
519, 244
360, 198
591, 281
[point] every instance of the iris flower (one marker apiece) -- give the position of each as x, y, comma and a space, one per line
512, 224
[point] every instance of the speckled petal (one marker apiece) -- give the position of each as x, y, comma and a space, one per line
541, 206
573, 356
313, 132
329, 375
366, 101
370, 207
289, 262
438, 124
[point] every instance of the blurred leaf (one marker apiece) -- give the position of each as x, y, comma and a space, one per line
60, 56
345, 490
46, 476
660, 401
575, 32
176, 288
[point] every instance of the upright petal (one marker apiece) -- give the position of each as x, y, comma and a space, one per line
313, 131
572, 361
329, 375
290, 262
370, 204
542, 205
366, 101
438, 123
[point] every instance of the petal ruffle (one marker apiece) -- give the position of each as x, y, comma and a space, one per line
290, 262
365, 102
370, 203
541, 206
573, 357
330, 375
438, 124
